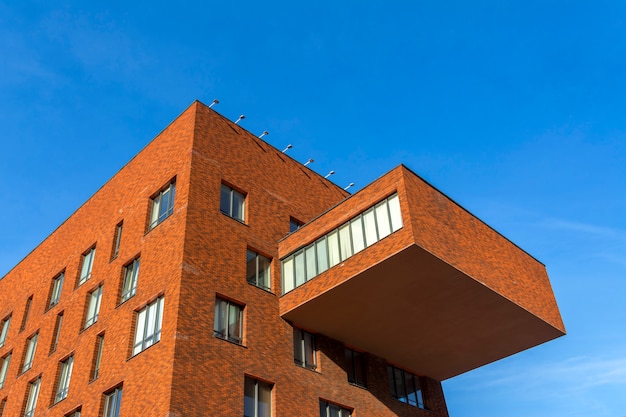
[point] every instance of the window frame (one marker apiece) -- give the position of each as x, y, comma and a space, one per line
4, 368
29, 352
354, 360
157, 213
32, 397
117, 240
233, 194
57, 332
393, 373
327, 407
57, 288
86, 265
254, 401
223, 320
27, 308
4, 331
91, 315
256, 277
112, 402
65, 376
143, 342
131, 278
97, 360
303, 343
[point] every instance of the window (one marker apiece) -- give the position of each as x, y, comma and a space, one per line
148, 330
131, 273
64, 379
228, 321
86, 265
117, 239
3, 404
75, 413
258, 270
57, 332
31, 347
304, 349
162, 205
97, 357
340, 244
29, 303
4, 368
405, 387
232, 203
57, 285
257, 400
332, 410
4, 330
294, 224
112, 402
93, 309
355, 367
31, 401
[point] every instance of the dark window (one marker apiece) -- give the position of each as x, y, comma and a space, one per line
355, 367
29, 303
257, 398
117, 239
405, 387
162, 205
228, 321
333, 410
258, 269
304, 349
232, 203
294, 224
57, 332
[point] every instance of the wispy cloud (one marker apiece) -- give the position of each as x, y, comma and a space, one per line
582, 227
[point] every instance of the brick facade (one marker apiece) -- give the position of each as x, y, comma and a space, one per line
192, 257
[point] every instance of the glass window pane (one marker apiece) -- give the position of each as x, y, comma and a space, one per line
265, 400
311, 264
264, 272
398, 375
358, 240
225, 199
333, 249
221, 308
345, 241
370, 227
238, 205
309, 350
251, 269
411, 394
394, 210
298, 350
322, 255
249, 397
234, 322
288, 282
382, 220
300, 268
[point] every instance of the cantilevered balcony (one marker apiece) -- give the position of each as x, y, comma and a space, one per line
403, 272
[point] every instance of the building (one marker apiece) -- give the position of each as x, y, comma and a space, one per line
214, 275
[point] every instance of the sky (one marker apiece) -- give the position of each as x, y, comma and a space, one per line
514, 109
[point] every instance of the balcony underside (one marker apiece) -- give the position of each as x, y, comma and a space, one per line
419, 312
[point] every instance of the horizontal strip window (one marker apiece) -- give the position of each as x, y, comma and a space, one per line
347, 240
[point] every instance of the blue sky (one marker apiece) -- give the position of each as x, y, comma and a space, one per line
515, 109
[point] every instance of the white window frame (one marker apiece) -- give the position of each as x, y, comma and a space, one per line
29, 356
93, 308
4, 368
64, 379
98, 359
148, 326
162, 205
57, 332
6, 322
57, 286
86, 265
112, 403
33, 394
131, 276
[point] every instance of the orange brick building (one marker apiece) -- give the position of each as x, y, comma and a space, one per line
214, 275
